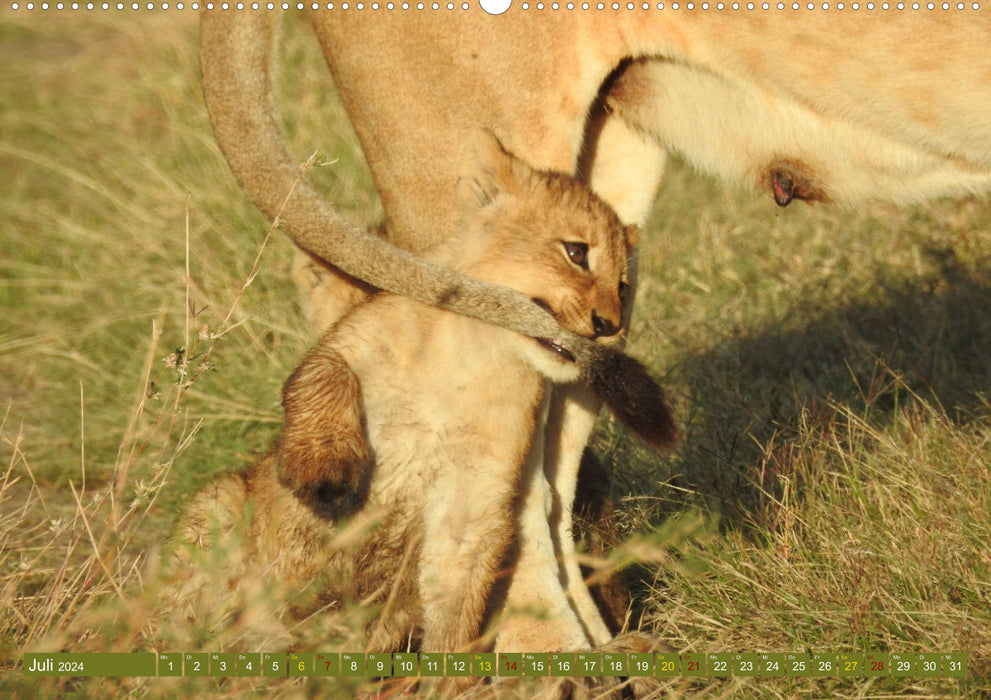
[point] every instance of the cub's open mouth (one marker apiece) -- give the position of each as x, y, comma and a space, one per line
547, 342
554, 347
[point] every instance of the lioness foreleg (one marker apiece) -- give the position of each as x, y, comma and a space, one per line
570, 422
624, 167
537, 615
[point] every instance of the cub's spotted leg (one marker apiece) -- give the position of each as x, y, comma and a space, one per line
322, 453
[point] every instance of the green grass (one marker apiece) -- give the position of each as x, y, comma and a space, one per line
829, 368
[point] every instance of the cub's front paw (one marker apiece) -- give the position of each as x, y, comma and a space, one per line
322, 468
322, 451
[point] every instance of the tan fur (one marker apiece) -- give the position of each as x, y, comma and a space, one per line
745, 132
235, 60
420, 426
824, 106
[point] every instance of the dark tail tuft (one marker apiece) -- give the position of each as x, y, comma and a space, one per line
633, 397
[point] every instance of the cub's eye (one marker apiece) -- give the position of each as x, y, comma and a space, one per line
577, 253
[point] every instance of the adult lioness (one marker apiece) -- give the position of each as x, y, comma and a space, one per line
433, 419
824, 105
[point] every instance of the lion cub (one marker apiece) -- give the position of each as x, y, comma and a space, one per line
414, 424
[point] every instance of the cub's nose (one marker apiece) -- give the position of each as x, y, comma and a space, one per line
603, 328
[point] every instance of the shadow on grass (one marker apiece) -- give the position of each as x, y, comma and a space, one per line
924, 337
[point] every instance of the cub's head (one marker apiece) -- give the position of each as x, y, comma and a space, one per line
548, 236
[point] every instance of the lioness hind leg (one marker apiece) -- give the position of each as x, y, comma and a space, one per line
322, 452
622, 165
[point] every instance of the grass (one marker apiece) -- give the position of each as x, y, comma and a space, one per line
829, 368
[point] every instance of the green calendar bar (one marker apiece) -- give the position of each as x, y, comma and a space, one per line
536, 665
693, 665
772, 665
457, 665
484, 665
196, 665
798, 664
431, 665
877, 664
223, 665
378, 665
615, 665
823, 665
589, 664
902, 665
511, 665
929, 666
405, 665
954, 665
641, 664
719, 665
850, 665
746, 665
353, 665
274, 665
327, 665
108, 665
301, 664
170, 664
666, 665
562, 665
249, 665
766, 666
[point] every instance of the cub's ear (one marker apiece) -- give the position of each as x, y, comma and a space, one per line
490, 172
472, 194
